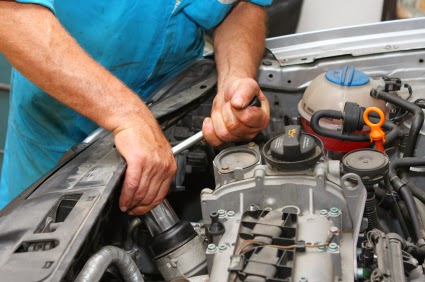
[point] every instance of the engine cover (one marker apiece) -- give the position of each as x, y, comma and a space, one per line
280, 225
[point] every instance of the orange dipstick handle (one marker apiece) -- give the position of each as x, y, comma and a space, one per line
377, 135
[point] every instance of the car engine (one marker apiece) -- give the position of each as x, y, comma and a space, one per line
333, 190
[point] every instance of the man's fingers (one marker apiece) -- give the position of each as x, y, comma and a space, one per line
209, 133
234, 125
220, 128
130, 186
159, 177
162, 193
242, 93
143, 189
253, 116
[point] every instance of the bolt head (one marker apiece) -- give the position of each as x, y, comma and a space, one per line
334, 211
211, 247
266, 63
222, 247
322, 248
334, 230
253, 208
333, 247
221, 212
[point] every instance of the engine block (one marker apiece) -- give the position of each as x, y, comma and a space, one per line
299, 225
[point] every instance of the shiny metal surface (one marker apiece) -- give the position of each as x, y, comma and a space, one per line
98, 133
384, 37
407, 65
189, 142
160, 218
187, 261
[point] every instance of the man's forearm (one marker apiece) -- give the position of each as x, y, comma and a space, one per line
239, 47
239, 42
34, 41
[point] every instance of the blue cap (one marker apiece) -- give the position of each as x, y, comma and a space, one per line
347, 76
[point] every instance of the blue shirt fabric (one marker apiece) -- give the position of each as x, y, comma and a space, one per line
141, 42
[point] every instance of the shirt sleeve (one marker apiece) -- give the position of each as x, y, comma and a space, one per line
261, 2
50, 4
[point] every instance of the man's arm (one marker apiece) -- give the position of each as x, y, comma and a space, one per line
239, 47
36, 44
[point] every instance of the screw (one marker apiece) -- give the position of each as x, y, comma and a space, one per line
267, 63
225, 167
251, 144
333, 247
221, 213
334, 230
334, 211
212, 247
322, 248
230, 213
222, 247
253, 208
323, 212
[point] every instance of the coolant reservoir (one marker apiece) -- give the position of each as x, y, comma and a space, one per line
330, 91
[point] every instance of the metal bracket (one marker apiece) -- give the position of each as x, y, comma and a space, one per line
356, 200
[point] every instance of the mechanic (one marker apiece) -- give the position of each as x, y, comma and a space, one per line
82, 64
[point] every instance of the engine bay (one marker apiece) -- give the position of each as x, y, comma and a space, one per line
332, 190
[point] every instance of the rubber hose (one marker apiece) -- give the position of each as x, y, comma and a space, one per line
407, 163
317, 116
399, 209
134, 224
401, 187
394, 131
421, 209
417, 225
416, 191
418, 118
96, 266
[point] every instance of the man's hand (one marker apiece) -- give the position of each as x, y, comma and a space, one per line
150, 167
238, 47
232, 119
34, 41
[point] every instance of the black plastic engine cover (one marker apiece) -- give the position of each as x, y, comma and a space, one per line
32, 252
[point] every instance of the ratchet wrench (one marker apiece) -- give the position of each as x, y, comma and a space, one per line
189, 142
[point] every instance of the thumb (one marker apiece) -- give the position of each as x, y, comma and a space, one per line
244, 93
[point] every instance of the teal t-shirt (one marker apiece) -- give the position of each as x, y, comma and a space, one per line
142, 42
